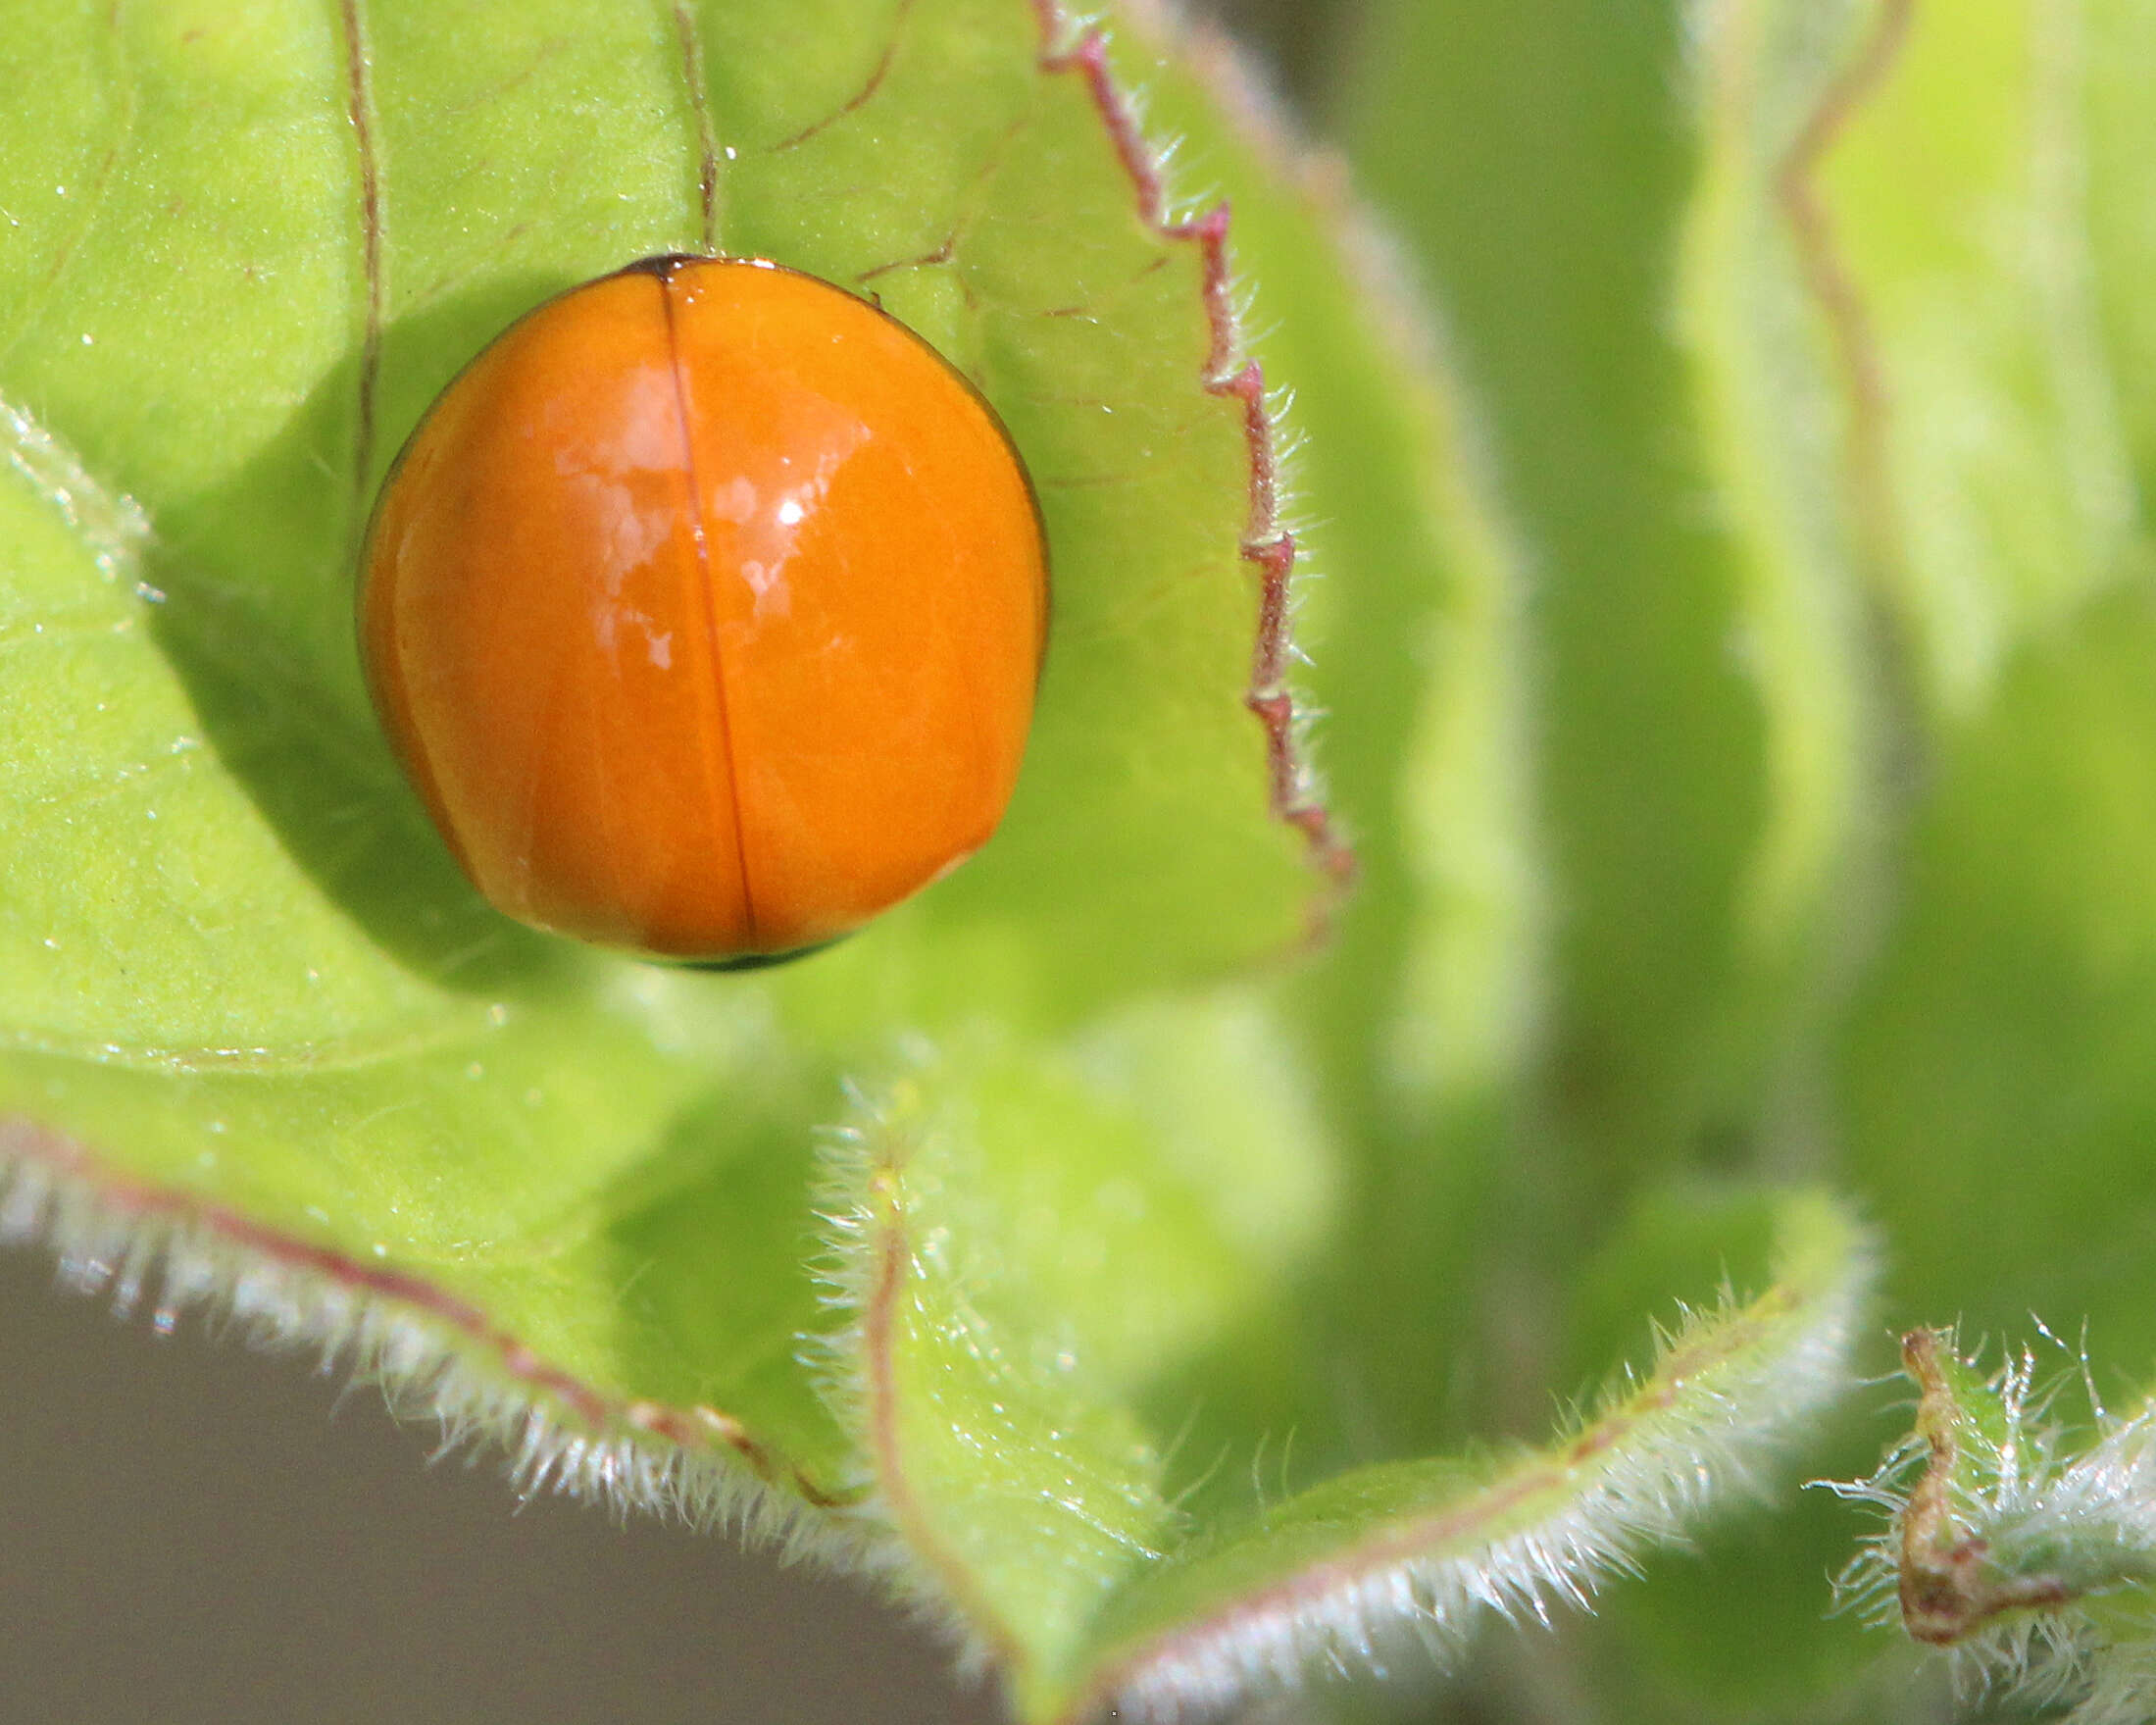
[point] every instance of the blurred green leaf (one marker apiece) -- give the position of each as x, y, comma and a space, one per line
1537, 160
1996, 1066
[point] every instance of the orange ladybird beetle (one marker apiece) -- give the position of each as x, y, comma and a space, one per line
705, 609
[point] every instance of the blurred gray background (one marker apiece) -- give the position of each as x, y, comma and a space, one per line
191, 1530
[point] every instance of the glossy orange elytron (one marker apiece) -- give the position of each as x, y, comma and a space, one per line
705, 608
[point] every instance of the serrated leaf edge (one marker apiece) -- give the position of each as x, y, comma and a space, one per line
1072, 45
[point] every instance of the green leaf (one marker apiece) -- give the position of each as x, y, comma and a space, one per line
1415, 1549
1152, 1171
250, 1006
1675, 1647
1040, 1508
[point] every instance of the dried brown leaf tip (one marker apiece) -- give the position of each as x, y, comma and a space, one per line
1949, 1587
